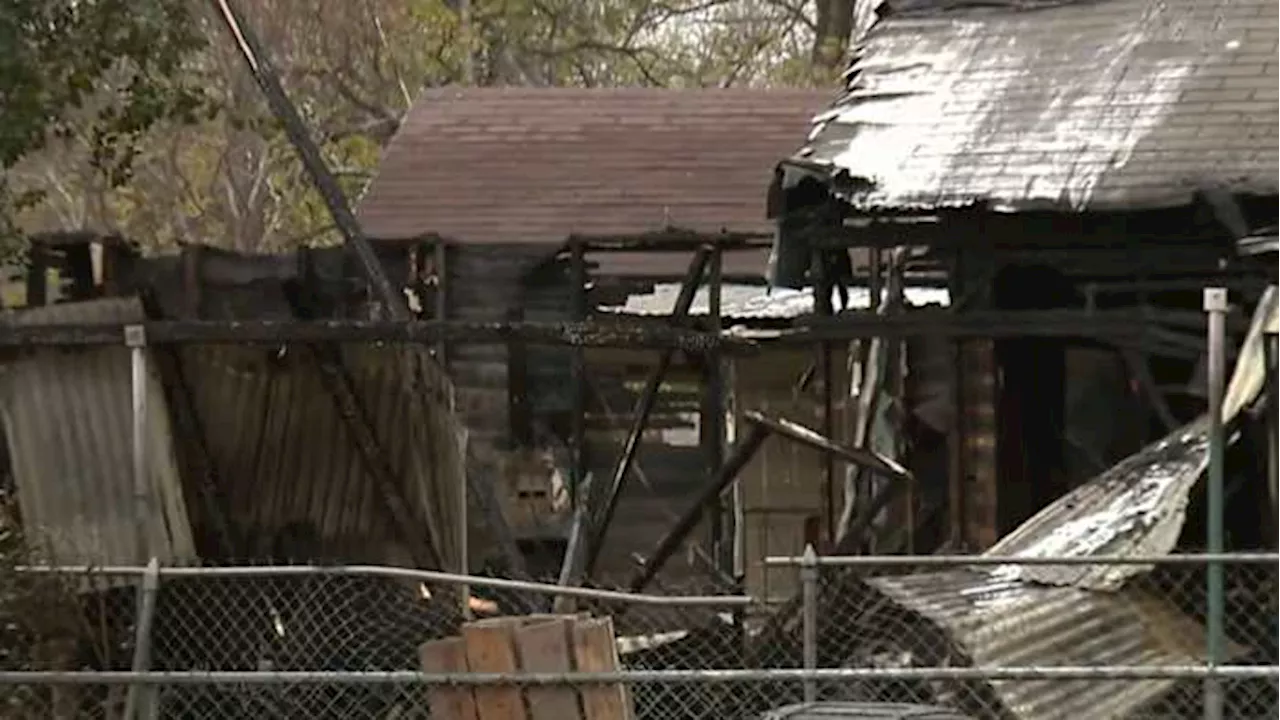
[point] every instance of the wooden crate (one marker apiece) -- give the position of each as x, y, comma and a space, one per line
528, 644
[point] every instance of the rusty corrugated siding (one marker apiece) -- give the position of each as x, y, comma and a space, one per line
287, 461
1001, 622
68, 424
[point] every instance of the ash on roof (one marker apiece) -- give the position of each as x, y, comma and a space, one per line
1091, 105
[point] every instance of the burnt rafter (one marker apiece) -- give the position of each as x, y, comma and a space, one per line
760, 427
454, 332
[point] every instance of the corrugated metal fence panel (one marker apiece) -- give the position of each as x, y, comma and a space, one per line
68, 423
1003, 622
290, 465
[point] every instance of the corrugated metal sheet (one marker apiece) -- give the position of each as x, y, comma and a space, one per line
68, 423
1082, 105
758, 302
293, 477
1138, 506
1000, 622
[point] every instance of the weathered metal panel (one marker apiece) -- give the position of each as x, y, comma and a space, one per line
294, 477
68, 424
758, 302
998, 621
1082, 105
1138, 506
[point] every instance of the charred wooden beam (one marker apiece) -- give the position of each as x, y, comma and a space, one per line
809, 438
739, 455
214, 503
1108, 324
578, 373
264, 72
671, 240
1140, 370
38, 277
338, 383
277, 332
644, 406
711, 415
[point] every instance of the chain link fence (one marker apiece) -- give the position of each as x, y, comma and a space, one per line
342, 642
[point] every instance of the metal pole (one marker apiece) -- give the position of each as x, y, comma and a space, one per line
135, 337
1272, 405
809, 614
1215, 304
141, 700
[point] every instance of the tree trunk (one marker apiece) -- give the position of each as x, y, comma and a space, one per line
832, 31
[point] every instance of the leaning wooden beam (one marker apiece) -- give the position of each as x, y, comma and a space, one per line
355, 418
640, 419
739, 455
810, 438
277, 332
340, 386
214, 505
1140, 370
264, 72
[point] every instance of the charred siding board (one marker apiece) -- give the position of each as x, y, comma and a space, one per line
294, 478
68, 423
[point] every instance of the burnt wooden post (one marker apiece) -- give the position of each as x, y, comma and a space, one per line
711, 418
644, 406
37, 275
578, 372
441, 309
822, 287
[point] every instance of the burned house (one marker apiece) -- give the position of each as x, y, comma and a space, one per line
1076, 160
1065, 165
500, 190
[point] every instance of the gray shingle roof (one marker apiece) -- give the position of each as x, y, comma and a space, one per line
1085, 105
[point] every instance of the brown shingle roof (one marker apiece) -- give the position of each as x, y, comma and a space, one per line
1083, 105
536, 165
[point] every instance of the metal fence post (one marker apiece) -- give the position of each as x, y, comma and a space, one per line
135, 337
141, 700
809, 613
1215, 304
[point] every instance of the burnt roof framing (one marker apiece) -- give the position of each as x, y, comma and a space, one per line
1102, 324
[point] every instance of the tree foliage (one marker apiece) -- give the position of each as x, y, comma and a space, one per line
112, 66
92, 77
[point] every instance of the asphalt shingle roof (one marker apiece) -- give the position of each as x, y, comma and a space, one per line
536, 165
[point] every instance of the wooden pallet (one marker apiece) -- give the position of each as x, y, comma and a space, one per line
528, 644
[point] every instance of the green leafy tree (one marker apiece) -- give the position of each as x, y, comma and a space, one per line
353, 68
112, 69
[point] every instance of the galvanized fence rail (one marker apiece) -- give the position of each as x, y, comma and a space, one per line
965, 631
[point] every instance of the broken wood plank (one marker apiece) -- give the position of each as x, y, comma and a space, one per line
491, 649
596, 650
447, 656
543, 647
